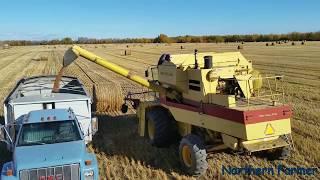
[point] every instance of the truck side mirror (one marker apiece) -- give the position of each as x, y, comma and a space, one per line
5, 137
94, 125
146, 73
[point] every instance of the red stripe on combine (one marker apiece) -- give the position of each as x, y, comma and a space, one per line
244, 117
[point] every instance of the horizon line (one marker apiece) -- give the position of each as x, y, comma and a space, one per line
144, 37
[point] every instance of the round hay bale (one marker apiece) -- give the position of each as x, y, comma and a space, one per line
293, 44
267, 44
127, 46
127, 52
272, 44
107, 97
6, 46
35, 59
43, 58
303, 43
240, 47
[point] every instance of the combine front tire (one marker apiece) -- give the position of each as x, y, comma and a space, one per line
193, 155
161, 127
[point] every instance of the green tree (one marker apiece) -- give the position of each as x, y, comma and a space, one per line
66, 40
162, 38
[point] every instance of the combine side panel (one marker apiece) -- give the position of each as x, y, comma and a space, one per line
268, 129
243, 124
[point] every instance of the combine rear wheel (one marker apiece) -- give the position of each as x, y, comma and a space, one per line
279, 153
193, 155
161, 127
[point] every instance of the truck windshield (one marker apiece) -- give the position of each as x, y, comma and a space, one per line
48, 133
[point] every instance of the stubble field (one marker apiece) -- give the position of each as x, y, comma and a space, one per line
122, 154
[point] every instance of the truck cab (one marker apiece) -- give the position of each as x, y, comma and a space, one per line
49, 144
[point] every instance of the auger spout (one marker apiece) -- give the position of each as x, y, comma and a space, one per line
74, 52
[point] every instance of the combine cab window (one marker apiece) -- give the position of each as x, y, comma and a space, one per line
48, 133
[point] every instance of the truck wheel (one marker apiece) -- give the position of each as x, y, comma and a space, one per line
193, 155
161, 127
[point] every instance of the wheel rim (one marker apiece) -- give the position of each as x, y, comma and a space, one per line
186, 156
151, 129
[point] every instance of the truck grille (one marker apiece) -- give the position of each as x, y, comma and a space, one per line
64, 172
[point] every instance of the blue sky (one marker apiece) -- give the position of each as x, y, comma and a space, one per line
50, 19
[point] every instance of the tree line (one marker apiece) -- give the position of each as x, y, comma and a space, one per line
162, 38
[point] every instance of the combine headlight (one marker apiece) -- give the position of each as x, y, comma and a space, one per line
88, 175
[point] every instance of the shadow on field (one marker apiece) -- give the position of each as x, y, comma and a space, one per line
118, 136
4, 154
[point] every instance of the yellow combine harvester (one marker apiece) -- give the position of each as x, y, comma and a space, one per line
213, 101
